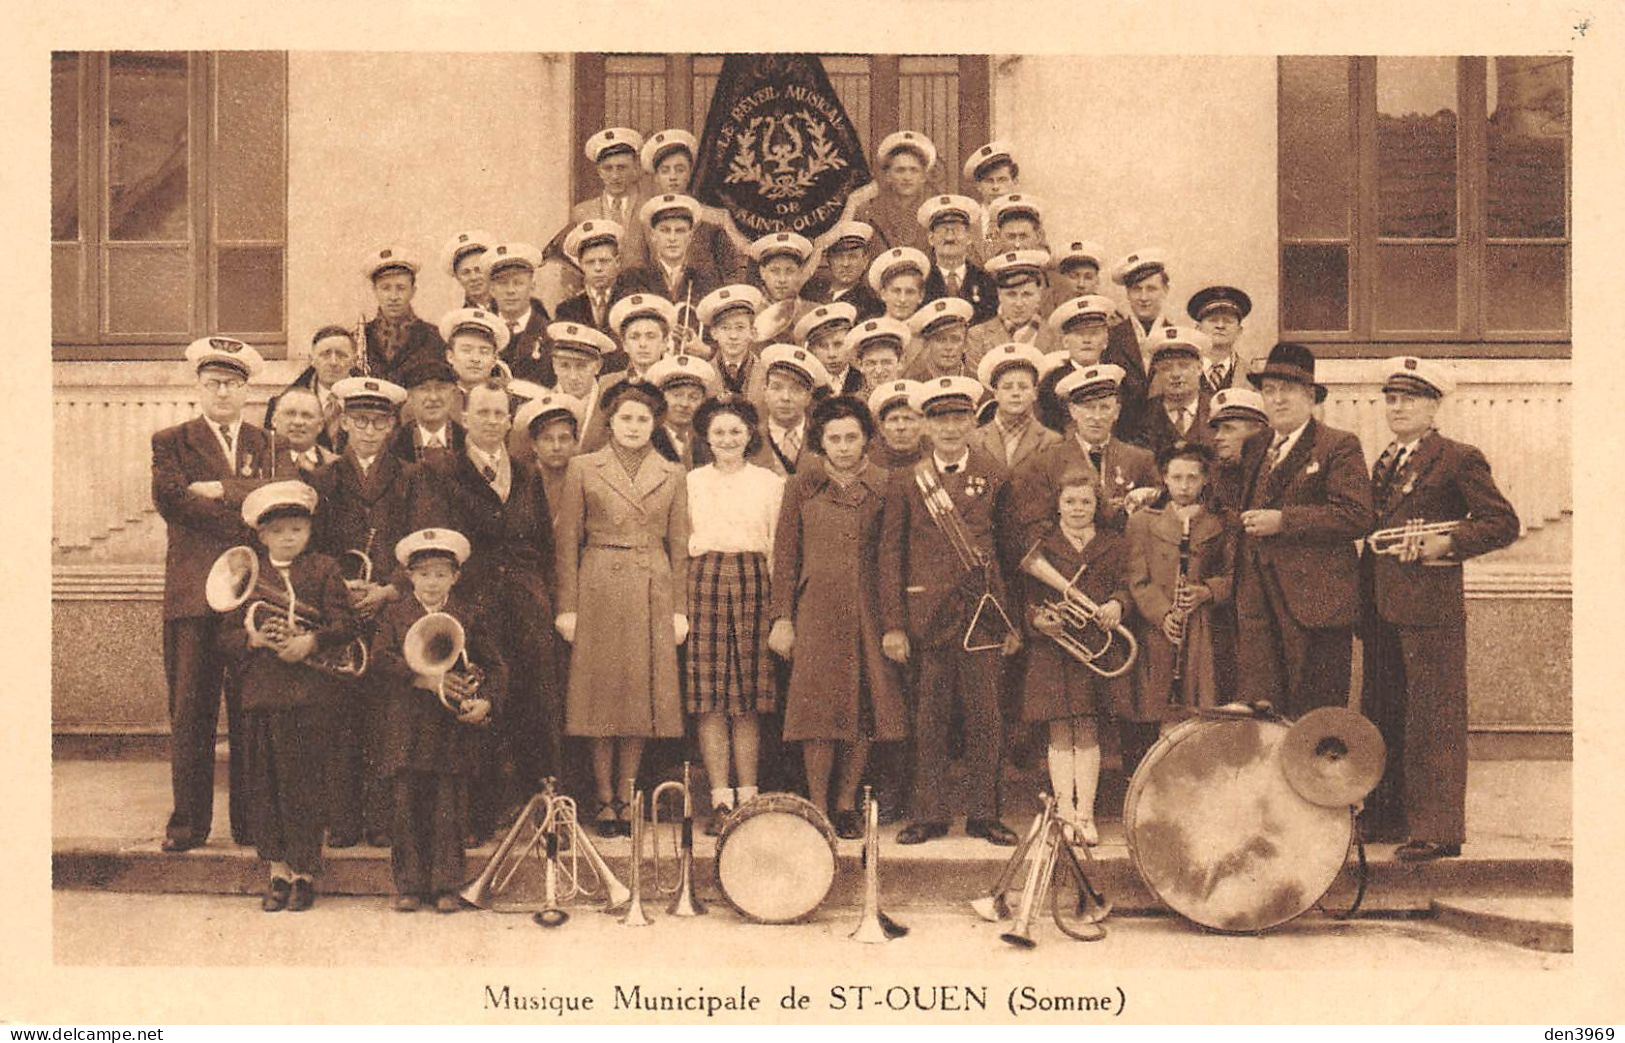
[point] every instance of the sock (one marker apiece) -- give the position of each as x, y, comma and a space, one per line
280, 871
722, 797
1086, 774
746, 793
1059, 759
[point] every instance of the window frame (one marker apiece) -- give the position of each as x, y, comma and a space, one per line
203, 249
1472, 336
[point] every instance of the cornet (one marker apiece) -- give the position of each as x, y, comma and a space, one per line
1082, 636
1405, 541
272, 616
433, 647
874, 926
547, 828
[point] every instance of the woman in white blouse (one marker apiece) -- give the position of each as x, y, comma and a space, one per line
733, 511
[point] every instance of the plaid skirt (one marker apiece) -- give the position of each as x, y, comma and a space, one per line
729, 669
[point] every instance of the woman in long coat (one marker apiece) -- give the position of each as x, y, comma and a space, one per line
623, 580
1153, 571
826, 608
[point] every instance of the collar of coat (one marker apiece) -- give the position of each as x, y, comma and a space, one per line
654, 472
873, 476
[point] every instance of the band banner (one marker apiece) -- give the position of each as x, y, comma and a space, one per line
778, 152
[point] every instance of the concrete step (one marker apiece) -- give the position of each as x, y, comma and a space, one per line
1543, 922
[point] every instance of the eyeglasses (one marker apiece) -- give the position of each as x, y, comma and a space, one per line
230, 384
371, 423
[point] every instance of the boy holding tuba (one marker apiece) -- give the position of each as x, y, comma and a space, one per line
433, 701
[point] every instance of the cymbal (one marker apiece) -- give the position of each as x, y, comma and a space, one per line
1332, 756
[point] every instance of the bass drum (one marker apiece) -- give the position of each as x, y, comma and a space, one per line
1219, 835
776, 858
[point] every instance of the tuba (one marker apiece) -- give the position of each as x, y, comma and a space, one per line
234, 579
1108, 653
435, 646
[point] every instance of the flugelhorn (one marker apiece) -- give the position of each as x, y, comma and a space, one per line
548, 829
874, 926
1405, 541
683, 901
435, 646
1109, 653
273, 615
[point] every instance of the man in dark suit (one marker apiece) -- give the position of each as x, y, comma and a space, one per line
1236, 415
1308, 498
432, 398
929, 598
500, 504
1414, 632
947, 221
511, 268
332, 358
674, 271
823, 331
397, 339
595, 248
1218, 311
296, 448
195, 468
1179, 413
1081, 325
366, 507
464, 260
848, 257
1144, 277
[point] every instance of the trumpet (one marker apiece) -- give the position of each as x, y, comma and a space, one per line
1405, 541
355, 565
274, 615
683, 902
1082, 636
435, 646
547, 828
874, 926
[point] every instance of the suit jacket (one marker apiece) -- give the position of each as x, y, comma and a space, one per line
1235, 376
1157, 432
1036, 486
1123, 349
578, 309
1035, 438
1153, 573
511, 567
529, 353
1443, 480
709, 250
988, 335
332, 436
977, 287
368, 514
268, 683
404, 443
632, 229
423, 344
819, 290
198, 528
924, 589
693, 282
1323, 493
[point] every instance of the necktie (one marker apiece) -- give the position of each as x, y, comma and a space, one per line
953, 284
489, 472
231, 446
951, 469
790, 445
1274, 456
599, 303
1184, 420
1097, 457
1215, 376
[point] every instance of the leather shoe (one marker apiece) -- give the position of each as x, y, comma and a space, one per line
848, 825
303, 897
343, 840
172, 845
713, 824
450, 903
1426, 851
276, 896
406, 904
376, 838
991, 830
920, 832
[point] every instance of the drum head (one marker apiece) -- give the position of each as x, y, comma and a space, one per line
1220, 837
776, 859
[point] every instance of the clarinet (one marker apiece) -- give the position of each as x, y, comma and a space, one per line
361, 345
1181, 611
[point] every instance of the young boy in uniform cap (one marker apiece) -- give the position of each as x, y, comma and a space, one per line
397, 339
1011, 434
792, 377
824, 333
930, 598
876, 348
1019, 275
686, 381
947, 220
902, 438
1307, 499
595, 248
613, 152
464, 258
475, 339
669, 221
197, 472
433, 724
285, 698
512, 270
1177, 413
994, 171
1144, 276
781, 260
368, 497
846, 251
1018, 222
1082, 325
898, 279
728, 314
938, 347
718, 246
553, 424
1218, 312
1414, 629
1235, 417
432, 402
578, 353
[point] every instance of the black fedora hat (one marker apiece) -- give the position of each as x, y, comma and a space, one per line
1290, 362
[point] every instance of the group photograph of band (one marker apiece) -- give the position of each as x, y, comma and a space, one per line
823, 533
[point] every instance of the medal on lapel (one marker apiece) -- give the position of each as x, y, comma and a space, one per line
1121, 481
247, 470
1313, 468
975, 485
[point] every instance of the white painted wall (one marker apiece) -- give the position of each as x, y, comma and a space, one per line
1175, 152
410, 148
